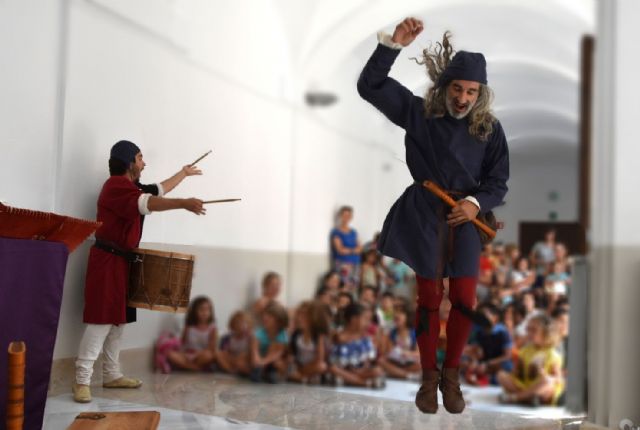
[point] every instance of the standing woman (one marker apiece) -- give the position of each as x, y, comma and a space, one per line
346, 248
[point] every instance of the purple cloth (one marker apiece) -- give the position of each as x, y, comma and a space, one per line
31, 283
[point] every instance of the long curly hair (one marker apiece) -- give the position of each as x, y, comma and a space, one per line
436, 58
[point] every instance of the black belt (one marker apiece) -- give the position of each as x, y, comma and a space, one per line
131, 257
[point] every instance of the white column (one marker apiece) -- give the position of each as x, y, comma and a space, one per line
614, 332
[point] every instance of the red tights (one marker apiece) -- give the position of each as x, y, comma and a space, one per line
462, 292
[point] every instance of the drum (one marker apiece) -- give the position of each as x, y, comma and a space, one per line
160, 281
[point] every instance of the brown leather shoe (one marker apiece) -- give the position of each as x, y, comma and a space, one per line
427, 395
451, 395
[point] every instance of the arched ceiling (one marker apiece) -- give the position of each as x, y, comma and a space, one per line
532, 50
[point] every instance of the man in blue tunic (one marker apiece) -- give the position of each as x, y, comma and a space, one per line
453, 140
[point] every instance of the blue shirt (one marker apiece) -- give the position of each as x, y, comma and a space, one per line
350, 241
264, 342
495, 343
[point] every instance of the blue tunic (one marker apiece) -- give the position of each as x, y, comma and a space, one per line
442, 150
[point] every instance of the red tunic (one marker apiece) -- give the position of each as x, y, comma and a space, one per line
105, 294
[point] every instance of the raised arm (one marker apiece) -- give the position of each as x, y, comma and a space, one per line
172, 182
375, 86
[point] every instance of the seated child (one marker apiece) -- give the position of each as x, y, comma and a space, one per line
399, 355
344, 300
385, 312
537, 376
353, 354
234, 353
491, 348
372, 329
370, 271
271, 286
269, 345
308, 343
368, 295
199, 339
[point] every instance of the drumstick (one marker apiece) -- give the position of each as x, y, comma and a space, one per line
220, 201
199, 159
448, 200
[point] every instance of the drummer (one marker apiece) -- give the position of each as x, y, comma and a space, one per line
122, 205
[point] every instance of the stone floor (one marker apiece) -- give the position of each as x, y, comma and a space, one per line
212, 401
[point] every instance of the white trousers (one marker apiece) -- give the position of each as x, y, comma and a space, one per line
96, 338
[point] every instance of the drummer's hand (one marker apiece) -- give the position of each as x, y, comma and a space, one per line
189, 170
194, 205
464, 211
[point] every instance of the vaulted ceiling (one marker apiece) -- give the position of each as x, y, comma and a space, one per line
532, 49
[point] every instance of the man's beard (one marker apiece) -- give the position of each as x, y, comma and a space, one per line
451, 108
135, 173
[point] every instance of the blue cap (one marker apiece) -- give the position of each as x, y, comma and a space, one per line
125, 151
465, 66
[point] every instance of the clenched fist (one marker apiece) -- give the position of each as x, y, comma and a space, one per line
407, 31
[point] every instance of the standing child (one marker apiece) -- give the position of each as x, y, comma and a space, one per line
537, 376
235, 347
399, 356
370, 275
353, 355
269, 345
309, 342
199, 338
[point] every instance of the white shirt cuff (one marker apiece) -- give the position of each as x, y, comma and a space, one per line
143, 204
160, 190
385, 39
473, 200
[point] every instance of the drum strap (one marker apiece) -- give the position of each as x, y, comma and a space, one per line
131, 257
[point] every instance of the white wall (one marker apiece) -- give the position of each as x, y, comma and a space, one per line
532, 179
614, 345
30, 42
127, 79
188, 77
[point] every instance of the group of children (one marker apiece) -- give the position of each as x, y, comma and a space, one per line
335, 341
522, 343
361, 337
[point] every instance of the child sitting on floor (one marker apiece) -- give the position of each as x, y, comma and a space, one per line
308, 343
234, 355
353, 354
537, 376
490, 349
385, 312
269, 345
199, 338
399, 356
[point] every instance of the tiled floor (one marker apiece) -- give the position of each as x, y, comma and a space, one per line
61, 411
478, 398
208, 401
